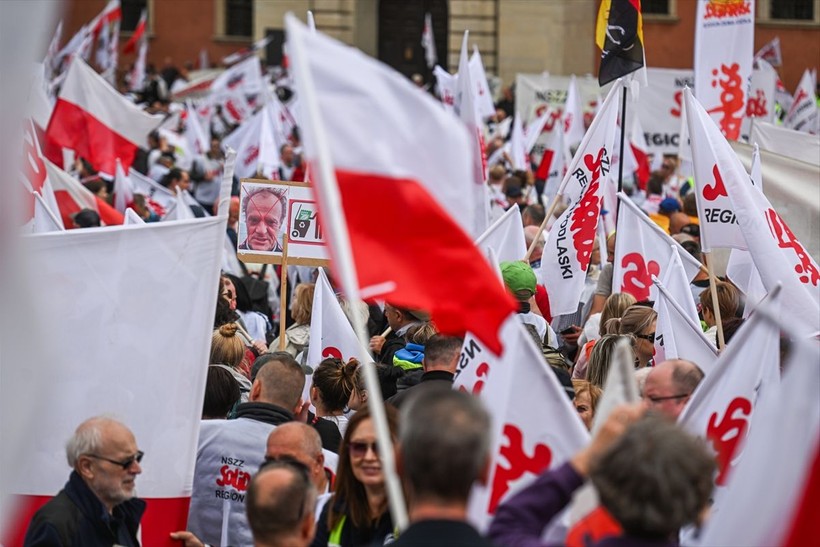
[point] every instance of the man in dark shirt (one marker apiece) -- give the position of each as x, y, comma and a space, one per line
439, 365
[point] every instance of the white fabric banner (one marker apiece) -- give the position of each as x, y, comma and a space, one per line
331, 334
519, 388
786, 142
724, 49
659, 108
505, 237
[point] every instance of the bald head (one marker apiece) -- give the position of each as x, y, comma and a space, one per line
677, 221
302, 443
280, 505
670, 384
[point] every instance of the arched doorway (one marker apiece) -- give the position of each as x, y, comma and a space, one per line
400, 26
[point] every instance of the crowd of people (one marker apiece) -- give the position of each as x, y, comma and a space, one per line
287, 448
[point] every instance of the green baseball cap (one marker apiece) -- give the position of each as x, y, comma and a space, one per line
519, 279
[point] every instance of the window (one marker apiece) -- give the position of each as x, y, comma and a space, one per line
239, 17
796, 10
655, 7
131, 11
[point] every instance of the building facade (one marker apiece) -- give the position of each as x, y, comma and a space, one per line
513, 36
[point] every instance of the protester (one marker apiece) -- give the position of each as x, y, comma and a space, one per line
333, 383
230, 451
520, 281
228, 350
604, 287
97, 506
255, 323
600, 359
357, 514
440, 361
280, 507
669, 386
586, 400
638, 322
87, 218
297, 336
728, 298
388, 376
651, 476
222, 393
614, 307
400, 320
444, 449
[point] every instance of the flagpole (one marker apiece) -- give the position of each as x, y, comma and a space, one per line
332, 215
283, 292
621, 153
707, 257
541, 228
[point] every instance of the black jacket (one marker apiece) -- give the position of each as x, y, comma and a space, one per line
433, 379
77, 517
264, 412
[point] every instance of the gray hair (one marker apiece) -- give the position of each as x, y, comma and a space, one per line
445, 443
87, 438
654, 479
280, 194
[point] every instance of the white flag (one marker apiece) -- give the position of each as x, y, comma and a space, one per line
573, 115
518, 152
535, 128
446, 86
331, 334
123, 190
643, 249
569, 244
45, 220
779, 256
505, 237
722, 407
777, 463
484, 99
520, 389
256, 148
724, 42
245, 77
678, 337
803, 114
179, 209
159, 198
131, 217
771, 52
198, 142
428, 41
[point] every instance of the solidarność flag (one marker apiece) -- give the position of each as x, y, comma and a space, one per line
619, 35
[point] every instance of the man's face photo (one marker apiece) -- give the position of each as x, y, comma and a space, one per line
263, 219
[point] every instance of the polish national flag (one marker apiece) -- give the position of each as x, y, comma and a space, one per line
779, 256
643, 249
420, 172
73, 196
640, 150
331, 334
139, 32
780, 464
722, 408
505, 237
93, 119
520, 390
677, 336
569, 245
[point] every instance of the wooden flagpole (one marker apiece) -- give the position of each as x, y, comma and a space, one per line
541, 228
707, 257
283, 292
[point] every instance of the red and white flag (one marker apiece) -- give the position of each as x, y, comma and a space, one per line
677, 336
553, 164
331, 334
762, 88
136, 80
573, 115
803, 115
643, 249
640, 151
569, 244
771, 52
721, 409
520, 389
123, 191
257, 151
483, 97
780, 258
467, 108
724, 46
245, 77
72, 197
432, 185
138, 35
158, 198
780, 464
505, 237
259, 45
93, 119
428, 41
446, 86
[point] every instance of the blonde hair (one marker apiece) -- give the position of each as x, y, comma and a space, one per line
227, 347
635, 319
419, 334
614, 307
595, 392
302, 303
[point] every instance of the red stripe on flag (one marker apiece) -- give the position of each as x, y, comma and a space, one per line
75, 128
643, 172
401, 235
804, 528
162, 516
543, 171
68, 208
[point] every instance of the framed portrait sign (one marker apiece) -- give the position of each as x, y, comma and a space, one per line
278, 218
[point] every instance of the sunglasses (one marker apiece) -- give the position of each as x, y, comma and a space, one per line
648, 337
125, 464
359, 450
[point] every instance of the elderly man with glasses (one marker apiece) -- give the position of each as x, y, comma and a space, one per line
669, 386
98, 504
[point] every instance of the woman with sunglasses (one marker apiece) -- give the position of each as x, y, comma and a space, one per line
639, 321
358, 513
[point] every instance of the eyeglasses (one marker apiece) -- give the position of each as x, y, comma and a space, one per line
359, 450
654, 400
125, 464
648, 337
